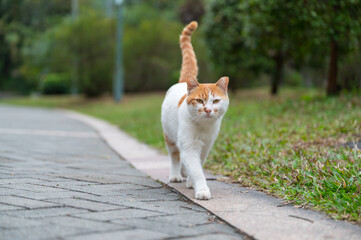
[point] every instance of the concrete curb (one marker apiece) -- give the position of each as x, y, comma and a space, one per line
255, 213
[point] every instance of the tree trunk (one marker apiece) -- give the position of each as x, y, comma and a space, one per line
232, 86
277, 77
332, 88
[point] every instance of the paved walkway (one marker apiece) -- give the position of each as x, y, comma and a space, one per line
59, 180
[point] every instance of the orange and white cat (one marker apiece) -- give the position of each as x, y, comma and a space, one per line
191, 119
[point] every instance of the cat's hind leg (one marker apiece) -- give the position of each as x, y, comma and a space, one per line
189, 183
183, 171
175, 169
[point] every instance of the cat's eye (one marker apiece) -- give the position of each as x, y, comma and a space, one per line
216, 101
199, 100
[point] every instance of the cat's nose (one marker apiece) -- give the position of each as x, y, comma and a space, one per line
208, 111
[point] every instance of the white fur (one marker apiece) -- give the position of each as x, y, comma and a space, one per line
193, 133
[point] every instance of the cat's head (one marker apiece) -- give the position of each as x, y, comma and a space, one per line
207, 101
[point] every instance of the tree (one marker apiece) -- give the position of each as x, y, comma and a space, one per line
278, 30
20, 22
336, 24
91, 39
222, 26
257, 35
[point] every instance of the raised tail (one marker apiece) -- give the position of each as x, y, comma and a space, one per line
189, 60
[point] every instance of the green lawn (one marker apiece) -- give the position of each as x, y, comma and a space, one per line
288, 146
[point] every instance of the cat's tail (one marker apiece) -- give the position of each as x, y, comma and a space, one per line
189, 60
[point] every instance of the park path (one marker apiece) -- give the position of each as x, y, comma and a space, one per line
59, 180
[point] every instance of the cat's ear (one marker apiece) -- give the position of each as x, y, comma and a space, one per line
222, 83
191, 83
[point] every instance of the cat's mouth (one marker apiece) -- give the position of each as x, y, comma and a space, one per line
209, 116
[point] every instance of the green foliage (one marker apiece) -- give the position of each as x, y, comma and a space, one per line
336, 24
335, 19
293, 78
152, 54
84, 49
248, 40
257, 35
350, 73
55, 83
88, 43
21, 20
222, 26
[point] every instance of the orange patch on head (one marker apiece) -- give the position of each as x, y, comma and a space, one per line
181, 100
203, 91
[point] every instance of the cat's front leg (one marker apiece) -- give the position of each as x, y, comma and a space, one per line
192, 162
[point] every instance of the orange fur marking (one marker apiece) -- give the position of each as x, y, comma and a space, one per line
189, 60
181, 100
169, 142
175, 154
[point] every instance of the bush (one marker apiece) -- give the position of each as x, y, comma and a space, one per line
85, 48
293, 78
55, 83
350, 73
152, 55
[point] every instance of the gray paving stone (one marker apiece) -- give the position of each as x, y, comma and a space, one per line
91, 225
25, 202
4, 207
167, 207
138, 234
40, 232
213, 237
127, 199
45, 212
118, 214
98, 177
186, 220
105, 189
34, 188
6, 191
65, 184
20, 180
17, 222
52, 195
86, 204
173, 229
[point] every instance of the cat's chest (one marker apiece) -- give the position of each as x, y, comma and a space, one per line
208, 133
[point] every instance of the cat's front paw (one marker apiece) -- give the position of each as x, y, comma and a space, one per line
175, 178
203, 195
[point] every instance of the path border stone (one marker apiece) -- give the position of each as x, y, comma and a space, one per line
255, 213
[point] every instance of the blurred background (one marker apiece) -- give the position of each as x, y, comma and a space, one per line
69, 46
293, 125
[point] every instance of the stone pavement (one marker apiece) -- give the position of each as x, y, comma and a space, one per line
59, 180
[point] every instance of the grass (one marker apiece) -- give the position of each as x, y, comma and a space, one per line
289, 146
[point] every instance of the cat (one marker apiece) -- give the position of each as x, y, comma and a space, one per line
191, 118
